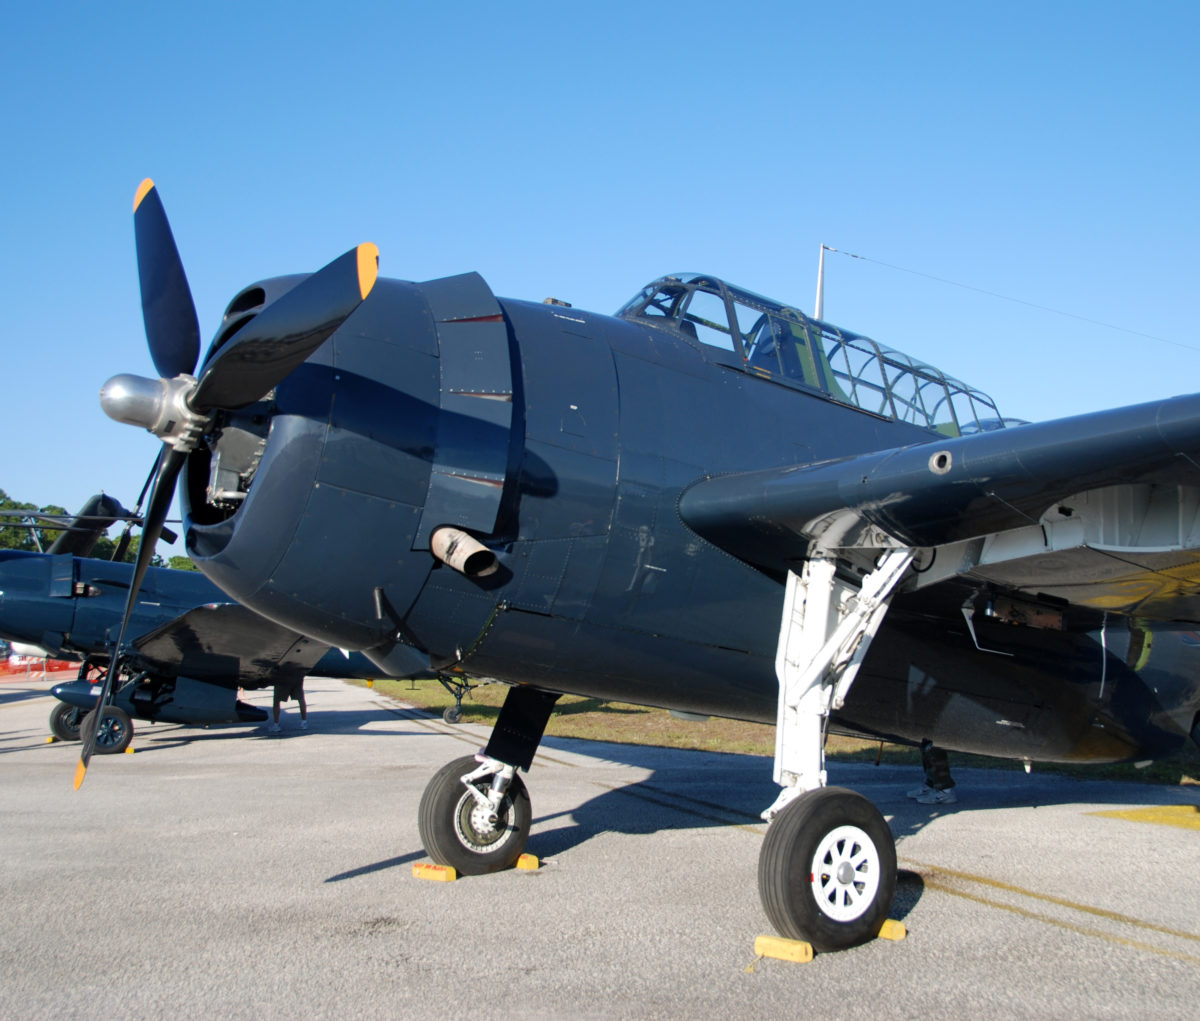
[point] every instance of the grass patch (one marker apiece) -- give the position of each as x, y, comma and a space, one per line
589, 719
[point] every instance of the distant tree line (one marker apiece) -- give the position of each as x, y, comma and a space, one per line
37, 535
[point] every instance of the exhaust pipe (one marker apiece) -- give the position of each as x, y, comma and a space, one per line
463, 552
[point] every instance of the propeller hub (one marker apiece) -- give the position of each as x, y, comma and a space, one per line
157, 405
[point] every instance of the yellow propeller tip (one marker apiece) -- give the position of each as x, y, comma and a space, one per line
143, 190
368, 268
80, 773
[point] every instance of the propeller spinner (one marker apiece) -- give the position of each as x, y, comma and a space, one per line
178, 406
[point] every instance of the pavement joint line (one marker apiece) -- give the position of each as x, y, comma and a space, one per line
930, 874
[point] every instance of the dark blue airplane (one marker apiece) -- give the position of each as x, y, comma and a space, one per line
190, 647
710, 502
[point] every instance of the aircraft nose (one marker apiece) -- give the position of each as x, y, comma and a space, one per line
400, 424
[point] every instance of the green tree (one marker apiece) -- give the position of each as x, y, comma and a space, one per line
22, 536
16, 535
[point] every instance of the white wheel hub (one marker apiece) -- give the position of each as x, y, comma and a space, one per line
845, 873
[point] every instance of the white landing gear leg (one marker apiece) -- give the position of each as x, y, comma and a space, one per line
827, 870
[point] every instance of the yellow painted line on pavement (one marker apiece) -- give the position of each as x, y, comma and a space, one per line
1083, 930
1186, 817
931, 876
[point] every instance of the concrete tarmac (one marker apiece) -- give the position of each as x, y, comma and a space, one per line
230, 873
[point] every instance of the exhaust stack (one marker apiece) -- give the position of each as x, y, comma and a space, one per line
463, 552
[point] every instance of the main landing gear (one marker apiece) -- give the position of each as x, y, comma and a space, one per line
475, 816
65, 720
114, 732
475, 813
827, 868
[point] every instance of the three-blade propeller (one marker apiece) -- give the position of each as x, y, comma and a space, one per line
178, 407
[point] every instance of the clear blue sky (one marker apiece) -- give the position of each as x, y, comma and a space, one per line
1043, 151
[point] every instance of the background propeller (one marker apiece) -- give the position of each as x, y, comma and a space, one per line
177, 407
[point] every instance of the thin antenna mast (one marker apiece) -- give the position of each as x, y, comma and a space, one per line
819, 304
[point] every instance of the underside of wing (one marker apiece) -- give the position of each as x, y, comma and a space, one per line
1100, 510
228, 644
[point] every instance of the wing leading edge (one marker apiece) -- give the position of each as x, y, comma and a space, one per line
1100, 509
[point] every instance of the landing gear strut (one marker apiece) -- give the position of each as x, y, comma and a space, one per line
827, 869
65, 720
475, 814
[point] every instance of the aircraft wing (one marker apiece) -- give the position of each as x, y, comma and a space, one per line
229, 644
1100, 510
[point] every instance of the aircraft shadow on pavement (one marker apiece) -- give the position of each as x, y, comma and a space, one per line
688, 789
339, 721
13, 696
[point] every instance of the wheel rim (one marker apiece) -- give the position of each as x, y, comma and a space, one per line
110, 731
845, 873
474, 828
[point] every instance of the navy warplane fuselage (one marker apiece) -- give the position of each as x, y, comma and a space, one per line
710, 503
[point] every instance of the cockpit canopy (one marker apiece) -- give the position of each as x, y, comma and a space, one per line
778, 342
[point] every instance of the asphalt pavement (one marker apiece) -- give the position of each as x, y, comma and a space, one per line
229, 872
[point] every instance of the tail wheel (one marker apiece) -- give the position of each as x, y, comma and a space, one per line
827, 869
114, 732
65, 720
456, 830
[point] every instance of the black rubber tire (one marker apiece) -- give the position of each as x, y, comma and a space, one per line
65, 720
115, 732
453, 831
798, 881
452, 714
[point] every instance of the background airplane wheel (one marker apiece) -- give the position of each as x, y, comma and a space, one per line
65, 720
827, 869
452, 714
456, 831
115, 731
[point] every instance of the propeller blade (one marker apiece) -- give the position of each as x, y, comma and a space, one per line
160, 501
167, 307
266, 350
